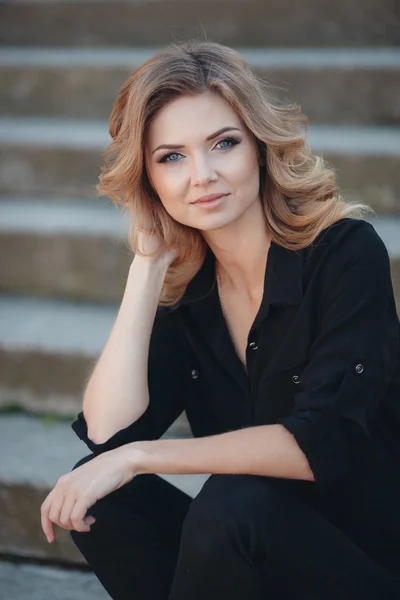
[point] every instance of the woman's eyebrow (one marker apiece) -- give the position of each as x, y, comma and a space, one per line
210, 137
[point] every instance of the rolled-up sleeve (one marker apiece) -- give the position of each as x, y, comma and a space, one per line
352, 359
166, 380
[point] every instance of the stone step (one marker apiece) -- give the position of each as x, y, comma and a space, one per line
65, 249
25, 581
48, 350
315, 78
48, 347
38, 453
240, 22
79, 251
62, 157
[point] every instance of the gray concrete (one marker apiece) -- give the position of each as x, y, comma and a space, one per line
59, 326
241, 22
77, 250
78, 266
32, 582
46, 132
67, 216
88, 134
316, 83
44, 221
58, 240
132, 57
84, 82
48, 346
48, 350
38, 452
64, 249
62, 157
74, 217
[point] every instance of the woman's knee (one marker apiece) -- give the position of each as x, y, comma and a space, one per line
241, 508
230, 496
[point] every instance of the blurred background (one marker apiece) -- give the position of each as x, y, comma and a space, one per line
64, 252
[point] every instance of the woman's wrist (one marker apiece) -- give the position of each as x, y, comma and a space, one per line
135, 457
147, 265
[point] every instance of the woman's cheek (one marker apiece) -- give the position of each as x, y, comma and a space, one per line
176, 209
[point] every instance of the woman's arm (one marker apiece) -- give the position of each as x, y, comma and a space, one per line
352, 361
117, 393
268, 450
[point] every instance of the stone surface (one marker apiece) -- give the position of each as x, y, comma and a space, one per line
48, 347
38, 452
33, 582
62, 157
48, 350
85, 83
339, 60
244, 22
64, 249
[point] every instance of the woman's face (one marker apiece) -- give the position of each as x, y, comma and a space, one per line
228, 163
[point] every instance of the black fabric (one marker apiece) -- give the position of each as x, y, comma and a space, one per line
168, 380
323, 360
242, 537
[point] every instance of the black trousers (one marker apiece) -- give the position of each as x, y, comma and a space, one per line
243, 537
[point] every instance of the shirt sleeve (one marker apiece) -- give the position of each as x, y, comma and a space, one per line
352, 359
166, 380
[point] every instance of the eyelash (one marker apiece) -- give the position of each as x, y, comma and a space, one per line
228, 139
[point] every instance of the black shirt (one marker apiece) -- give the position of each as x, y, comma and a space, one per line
323, 359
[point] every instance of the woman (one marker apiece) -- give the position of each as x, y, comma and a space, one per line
266, 312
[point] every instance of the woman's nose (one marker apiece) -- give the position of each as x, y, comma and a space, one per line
202, 172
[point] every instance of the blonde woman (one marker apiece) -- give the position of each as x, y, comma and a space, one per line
260, 303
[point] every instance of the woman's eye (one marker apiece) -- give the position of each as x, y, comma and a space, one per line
167, 156
232, 142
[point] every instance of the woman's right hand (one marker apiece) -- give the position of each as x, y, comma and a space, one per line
150, 243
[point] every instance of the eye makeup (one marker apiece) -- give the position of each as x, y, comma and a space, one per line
233, 141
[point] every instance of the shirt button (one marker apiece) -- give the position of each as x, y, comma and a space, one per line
359, 368
195, 374
296, 379
253, 346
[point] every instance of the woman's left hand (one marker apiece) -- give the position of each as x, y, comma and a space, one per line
75, 492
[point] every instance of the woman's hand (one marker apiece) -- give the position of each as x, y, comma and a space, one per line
75, 492
150, 243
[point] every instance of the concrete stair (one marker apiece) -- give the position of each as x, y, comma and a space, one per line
48, 349
64, 249
35, 582
254, 23
53, 449
62, 157
49, 345
77, 250
65, 252
354, 86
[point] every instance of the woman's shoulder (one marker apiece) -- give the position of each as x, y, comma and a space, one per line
346, 240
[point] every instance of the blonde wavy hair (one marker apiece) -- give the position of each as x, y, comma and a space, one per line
298, 189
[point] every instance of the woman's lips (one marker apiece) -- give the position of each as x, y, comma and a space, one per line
210, 203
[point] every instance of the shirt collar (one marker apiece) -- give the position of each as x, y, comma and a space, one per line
283, 280
282, 287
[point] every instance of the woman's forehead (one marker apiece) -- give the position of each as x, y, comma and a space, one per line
191, 115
